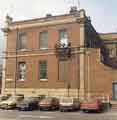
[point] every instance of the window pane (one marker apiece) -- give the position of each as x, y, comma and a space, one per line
43, 70
63, 34
63, 38
43, 40
22, 41
111, 52
21, 70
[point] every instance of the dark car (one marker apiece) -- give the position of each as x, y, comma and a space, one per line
29, 103
50, 103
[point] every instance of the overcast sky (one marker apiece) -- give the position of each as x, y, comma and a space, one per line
103, 13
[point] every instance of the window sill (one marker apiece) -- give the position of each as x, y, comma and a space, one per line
22, 80
22, 49
43, 80
9, 79
43, 48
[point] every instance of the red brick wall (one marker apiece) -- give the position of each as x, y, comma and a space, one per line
31, 80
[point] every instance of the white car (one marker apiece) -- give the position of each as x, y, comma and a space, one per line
69, 103
11, 102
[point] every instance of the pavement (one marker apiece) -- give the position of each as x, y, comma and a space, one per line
55, 115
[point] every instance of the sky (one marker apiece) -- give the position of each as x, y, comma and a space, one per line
102, 12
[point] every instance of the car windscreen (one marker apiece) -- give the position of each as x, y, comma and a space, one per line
30, 99
4, 97
66, 100
47, 100
13, 98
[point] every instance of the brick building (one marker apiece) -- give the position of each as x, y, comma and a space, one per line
57, 56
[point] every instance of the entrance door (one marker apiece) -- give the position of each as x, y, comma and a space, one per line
115, 90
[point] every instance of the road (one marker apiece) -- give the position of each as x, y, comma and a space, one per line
55, 115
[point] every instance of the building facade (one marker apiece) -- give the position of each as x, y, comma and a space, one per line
57, 56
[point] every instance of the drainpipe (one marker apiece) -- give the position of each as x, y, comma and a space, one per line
88, 72
16, 67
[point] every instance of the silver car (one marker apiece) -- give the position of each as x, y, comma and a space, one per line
68, 103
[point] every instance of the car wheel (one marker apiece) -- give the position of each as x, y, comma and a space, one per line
99, 110
40, 108
19, 109
85, 111
62, 110
53, 108
30, 108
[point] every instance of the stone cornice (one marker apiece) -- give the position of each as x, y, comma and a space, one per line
41, 24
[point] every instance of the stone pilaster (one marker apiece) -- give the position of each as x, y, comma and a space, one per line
4, 67
8, 21
82, 56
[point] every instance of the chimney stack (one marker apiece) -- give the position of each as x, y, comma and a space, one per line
73, 10
8, 19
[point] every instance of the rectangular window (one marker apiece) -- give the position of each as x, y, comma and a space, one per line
43, 70
21, 70
115, 89
63, 37
43, 40
22, 41
111, 52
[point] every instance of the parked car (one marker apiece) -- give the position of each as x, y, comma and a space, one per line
50, 103
91, 105
11, 102
69, 103
29, 103
3, 97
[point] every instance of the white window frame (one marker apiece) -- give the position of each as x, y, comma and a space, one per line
19, 71
63, 40
20, 43
40, 40
111, 52
39, 67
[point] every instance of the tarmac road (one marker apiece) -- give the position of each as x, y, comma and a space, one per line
55, 115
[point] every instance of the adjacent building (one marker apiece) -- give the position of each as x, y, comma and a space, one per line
58, 56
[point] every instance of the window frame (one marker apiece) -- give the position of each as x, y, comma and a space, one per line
63, 43
63, 30
21, 44
19, 71
111, 52
39, 70
40, 44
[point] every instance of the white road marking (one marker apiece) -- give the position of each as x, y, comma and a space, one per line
36, 116
47, 117
114, 113
7, 118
